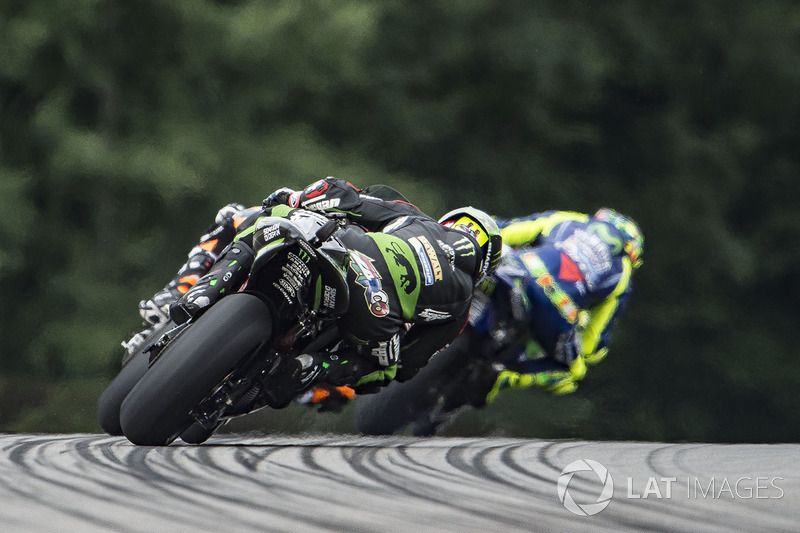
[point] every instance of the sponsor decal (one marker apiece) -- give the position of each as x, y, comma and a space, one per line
322, 204
427, 268
569, 271
307, 251
590, 252
329, 297
294, 273
430, 315
464, 247
369, 278
449, 252
270, 232
431, 267
408, 280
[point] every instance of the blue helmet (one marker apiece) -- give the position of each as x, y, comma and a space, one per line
634, 240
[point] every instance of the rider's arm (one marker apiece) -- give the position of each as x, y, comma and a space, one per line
523, 231
422, 341
333, 195
400, 357
586, 341
595, 333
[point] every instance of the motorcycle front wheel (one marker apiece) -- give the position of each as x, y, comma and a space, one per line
158, 409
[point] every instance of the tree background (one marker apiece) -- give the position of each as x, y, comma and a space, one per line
125, 126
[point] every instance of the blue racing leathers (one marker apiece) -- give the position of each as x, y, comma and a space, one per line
563, 281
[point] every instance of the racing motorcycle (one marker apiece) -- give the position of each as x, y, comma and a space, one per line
187, 380
456, 379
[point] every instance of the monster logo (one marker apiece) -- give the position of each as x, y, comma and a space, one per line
408, 280
464, 247
369, 278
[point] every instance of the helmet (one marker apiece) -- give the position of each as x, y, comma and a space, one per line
634, 240
483, 229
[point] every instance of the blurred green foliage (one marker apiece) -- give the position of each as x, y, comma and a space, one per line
124, 127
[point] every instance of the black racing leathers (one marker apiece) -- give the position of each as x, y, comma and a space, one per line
410, 279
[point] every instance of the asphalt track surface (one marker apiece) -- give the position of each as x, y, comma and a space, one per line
348, 483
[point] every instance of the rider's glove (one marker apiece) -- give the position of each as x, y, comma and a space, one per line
596, 357
508, 379
279, 197
554, 381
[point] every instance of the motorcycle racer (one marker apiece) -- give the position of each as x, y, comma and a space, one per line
564, 282
404, 268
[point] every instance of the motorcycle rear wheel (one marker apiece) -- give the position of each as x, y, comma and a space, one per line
158, 408
109, 403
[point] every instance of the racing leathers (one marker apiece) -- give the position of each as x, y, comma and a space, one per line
563, 281
410, 280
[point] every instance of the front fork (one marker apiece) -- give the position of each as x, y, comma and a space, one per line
267, 382
157, 348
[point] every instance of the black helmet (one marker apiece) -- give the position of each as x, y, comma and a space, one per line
483, 229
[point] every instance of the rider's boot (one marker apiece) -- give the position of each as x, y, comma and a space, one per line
226, 276
299, 375
327, 398
156, 309
201, 258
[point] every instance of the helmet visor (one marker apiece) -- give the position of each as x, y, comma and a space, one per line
468, 225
